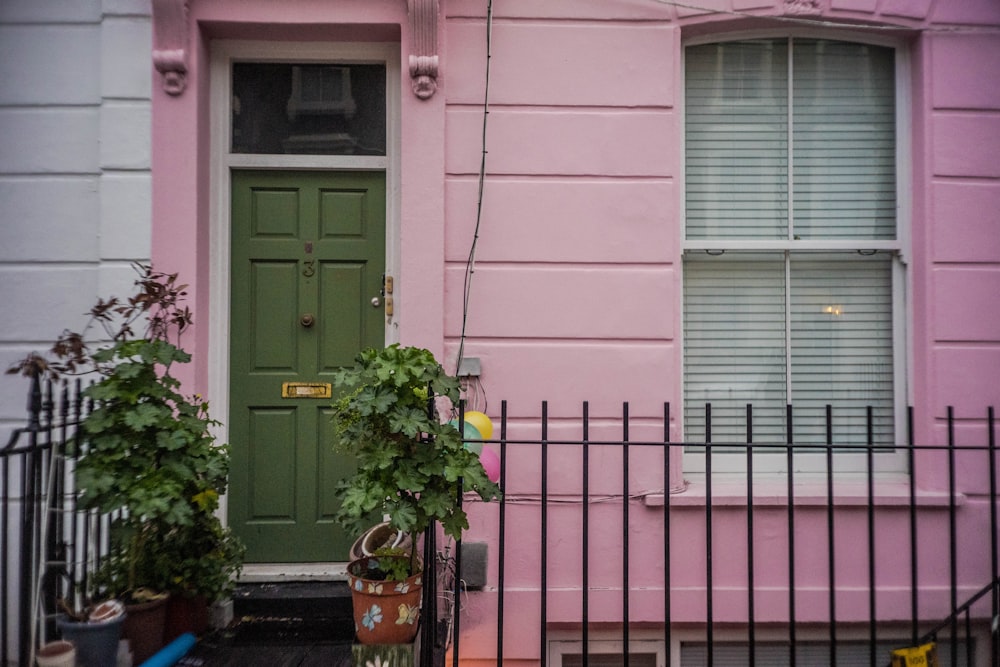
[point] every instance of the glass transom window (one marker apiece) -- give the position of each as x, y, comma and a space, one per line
308, 109
791, 269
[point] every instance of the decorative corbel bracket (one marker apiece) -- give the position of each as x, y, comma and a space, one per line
170, 43
424, 40
803, 6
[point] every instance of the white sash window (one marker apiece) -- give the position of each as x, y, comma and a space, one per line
793, 280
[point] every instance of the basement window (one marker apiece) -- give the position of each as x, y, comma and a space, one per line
607, 653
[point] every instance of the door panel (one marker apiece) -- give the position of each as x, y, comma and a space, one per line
308, 257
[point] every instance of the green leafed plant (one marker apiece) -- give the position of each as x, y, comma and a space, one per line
147, 449
411, 466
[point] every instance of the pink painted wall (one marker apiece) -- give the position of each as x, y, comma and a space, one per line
576, 294
577, 298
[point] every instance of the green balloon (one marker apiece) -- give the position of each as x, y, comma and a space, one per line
469, 432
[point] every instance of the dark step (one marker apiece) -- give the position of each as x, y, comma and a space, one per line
293, 611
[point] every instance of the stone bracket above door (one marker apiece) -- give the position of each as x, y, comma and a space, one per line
170, 43
424, 46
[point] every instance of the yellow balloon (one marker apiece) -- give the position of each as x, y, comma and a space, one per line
481, 422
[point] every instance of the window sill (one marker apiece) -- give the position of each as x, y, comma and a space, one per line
810, 493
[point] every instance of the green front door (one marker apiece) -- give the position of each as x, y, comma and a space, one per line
308, 259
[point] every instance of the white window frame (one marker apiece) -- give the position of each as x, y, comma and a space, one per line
896, 634
557, 648
889, 463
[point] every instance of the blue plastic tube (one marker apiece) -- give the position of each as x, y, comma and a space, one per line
172, 652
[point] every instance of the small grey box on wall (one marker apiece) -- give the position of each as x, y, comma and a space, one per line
474, 559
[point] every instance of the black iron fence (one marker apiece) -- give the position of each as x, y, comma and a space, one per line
48, 547
603, 540
611, 536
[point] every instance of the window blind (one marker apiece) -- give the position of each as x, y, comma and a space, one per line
831, 143
769, 329
790, 141
844, 149
841, 345
734, 345
810, 654
737, 140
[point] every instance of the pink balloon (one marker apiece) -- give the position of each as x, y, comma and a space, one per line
491, 464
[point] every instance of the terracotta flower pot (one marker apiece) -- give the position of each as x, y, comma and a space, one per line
385, 612
186, 614
144, 623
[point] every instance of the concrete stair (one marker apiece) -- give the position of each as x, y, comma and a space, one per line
292, 624
315, 610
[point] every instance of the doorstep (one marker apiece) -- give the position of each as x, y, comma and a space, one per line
292, 623
312, 602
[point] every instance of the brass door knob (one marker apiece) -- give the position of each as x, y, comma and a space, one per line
307, 320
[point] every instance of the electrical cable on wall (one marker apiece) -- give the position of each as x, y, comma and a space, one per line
470, 266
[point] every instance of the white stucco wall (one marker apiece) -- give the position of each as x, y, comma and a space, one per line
75, 193
75, 81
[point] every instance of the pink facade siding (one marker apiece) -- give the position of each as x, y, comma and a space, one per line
576, 294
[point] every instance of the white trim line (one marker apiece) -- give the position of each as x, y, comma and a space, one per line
284, 572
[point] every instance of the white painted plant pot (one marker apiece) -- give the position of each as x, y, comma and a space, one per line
56, 654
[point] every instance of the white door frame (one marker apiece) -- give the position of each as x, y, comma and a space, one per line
222, 161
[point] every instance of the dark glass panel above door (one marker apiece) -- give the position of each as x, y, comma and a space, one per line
308, 109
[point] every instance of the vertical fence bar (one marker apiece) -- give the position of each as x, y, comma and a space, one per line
543, 635
585, 556
790, 457
952, 537
751, 602
5, 534
709, 611
831, 539
870, 477
29, 537
625, 535
54, 542
914, 589
456, 606
78, 534
968, 633
91, 526
428, 630
666, 531
994, 555
502, 538
56, 547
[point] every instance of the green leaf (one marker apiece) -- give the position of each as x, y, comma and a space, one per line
454, 524
438, 503
404, 517
410, 478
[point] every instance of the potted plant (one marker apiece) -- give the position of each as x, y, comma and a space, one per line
93, 630
128, 573
148, 453
411, 467
201, 563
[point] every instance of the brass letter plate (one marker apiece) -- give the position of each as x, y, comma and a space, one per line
306, 390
